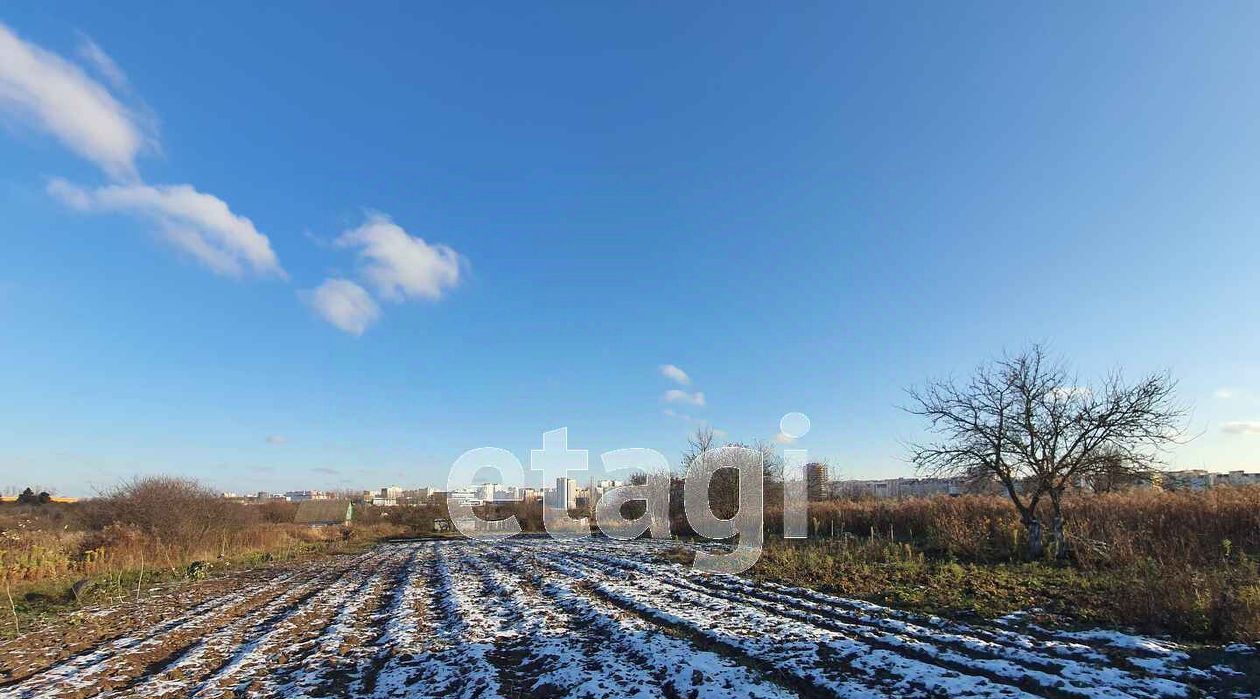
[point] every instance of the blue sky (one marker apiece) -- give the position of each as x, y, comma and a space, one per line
322, 246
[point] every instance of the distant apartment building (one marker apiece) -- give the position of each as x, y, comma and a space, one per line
492, 492
590, 495
465, 497
263, 496
897, 487
531, 494
1238, 478
565, 494
418, 496
304, 495
488, 493
1187, 479
388, 496
1201, 479
509, 493
817, 480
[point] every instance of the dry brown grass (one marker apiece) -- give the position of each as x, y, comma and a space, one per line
1180, 563
34, 556
1115, 529
154, 524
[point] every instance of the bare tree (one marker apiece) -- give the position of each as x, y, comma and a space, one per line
724, 486
1026, 422
705, 439
698, 442
772, 460
1115, 471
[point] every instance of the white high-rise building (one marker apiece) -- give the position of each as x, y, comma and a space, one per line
392, 492
566, 493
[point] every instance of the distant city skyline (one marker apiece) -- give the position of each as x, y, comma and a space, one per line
270, 252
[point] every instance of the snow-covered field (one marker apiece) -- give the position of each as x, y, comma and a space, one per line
541, 618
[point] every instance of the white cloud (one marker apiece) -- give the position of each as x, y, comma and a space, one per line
58, 97
277, 439
1224, 393
344, 304
782, 438
101, 61
1242, 427
200, 224
674, 395
675, 374
402, 266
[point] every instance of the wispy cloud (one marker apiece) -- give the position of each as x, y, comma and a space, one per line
50, 93
1225, 393
197, 223
782, 438
277, 439
326, 470
400, 266
345, 304
674, 395
675, 374
1242, 427
101, 61
56, 96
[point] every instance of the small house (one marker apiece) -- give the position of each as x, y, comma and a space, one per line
324, 513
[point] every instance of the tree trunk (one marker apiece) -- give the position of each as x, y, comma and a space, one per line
1061, 551
1036, 548
1060, 540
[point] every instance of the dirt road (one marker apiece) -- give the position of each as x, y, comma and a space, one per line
548, 619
